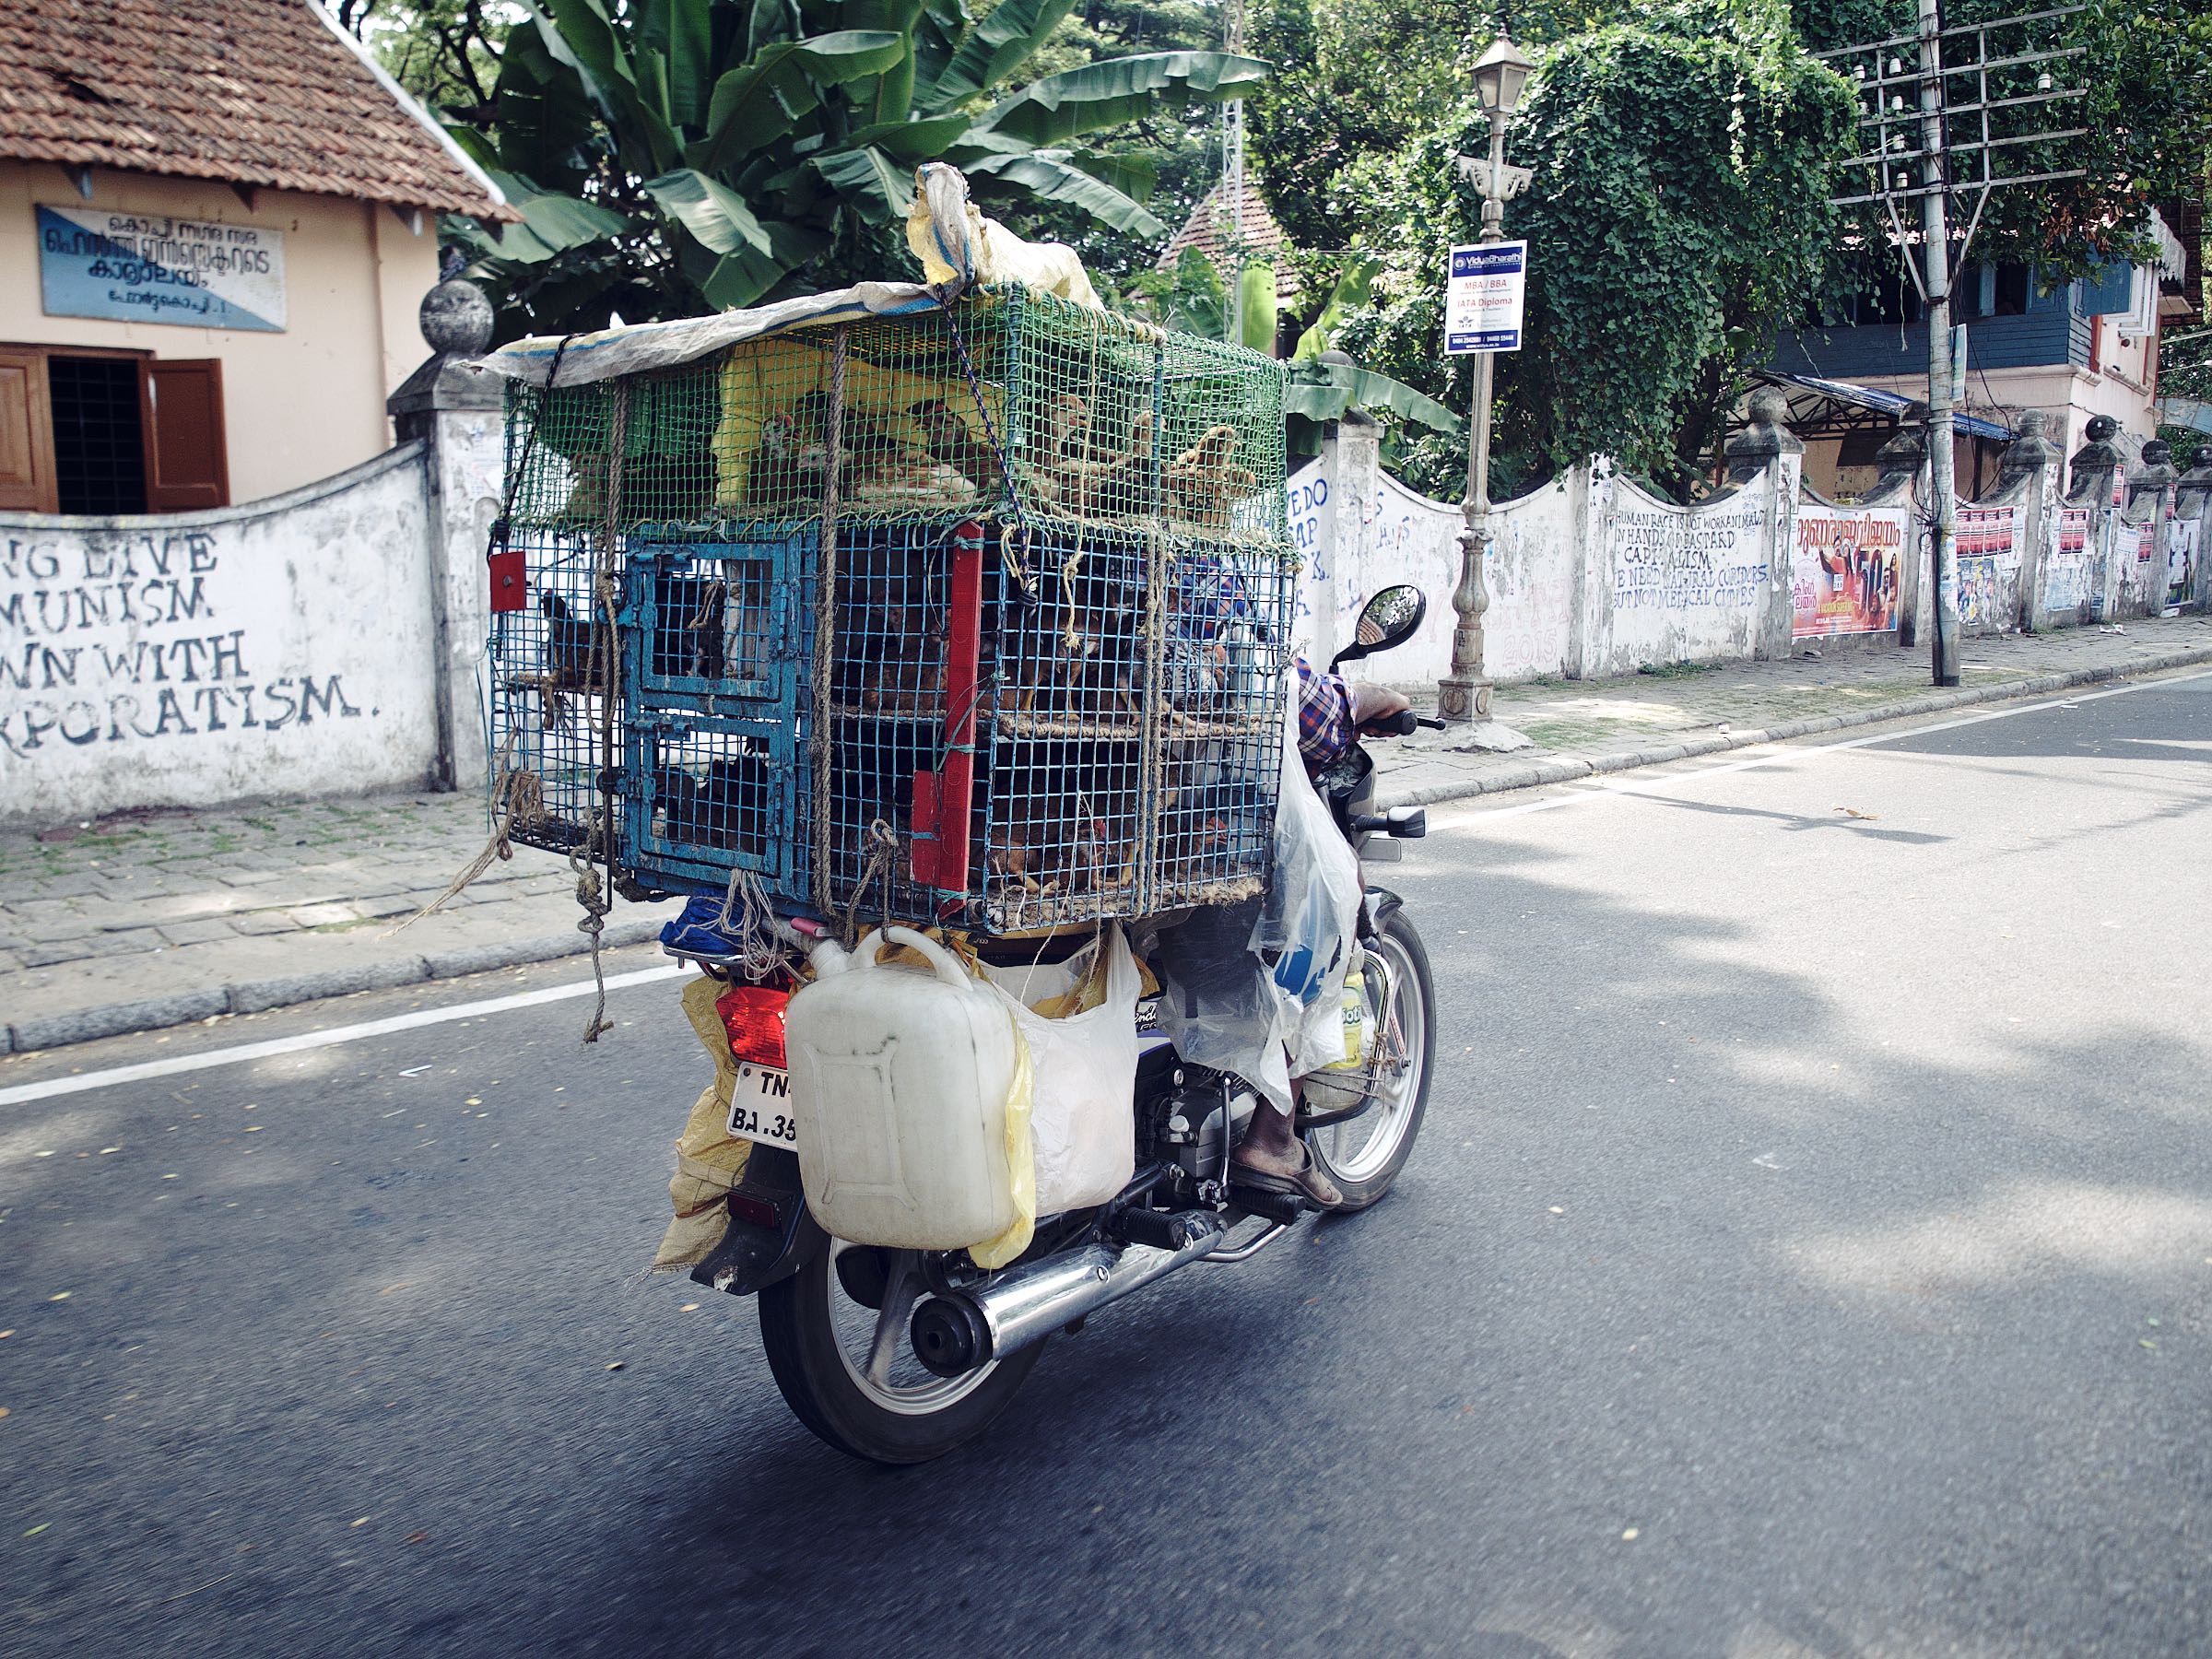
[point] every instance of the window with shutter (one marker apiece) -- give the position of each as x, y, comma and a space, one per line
26, 433
187, 466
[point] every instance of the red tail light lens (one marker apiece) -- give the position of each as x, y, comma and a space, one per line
753, 1016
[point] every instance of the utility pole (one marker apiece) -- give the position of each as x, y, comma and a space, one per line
1936, 235
1999, 131
1232, 184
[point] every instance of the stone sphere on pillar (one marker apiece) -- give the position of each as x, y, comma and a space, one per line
456, 319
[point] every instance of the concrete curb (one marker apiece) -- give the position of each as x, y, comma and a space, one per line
1566, 769
257, 996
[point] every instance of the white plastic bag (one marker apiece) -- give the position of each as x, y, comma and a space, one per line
1082, 1120
1312, 914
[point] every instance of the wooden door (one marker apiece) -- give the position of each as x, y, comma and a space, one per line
187, 466
26, 482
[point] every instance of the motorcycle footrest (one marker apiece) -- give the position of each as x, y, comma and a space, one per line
1285, 1208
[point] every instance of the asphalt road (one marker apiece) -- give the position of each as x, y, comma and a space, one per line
1807, 1254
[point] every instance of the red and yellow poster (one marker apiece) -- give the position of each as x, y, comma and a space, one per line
1844, 570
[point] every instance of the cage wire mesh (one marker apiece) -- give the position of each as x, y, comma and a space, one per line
977, 618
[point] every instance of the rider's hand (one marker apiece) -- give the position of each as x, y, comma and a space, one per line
1376, 702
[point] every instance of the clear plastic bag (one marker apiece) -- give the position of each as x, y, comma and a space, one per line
1222, 1006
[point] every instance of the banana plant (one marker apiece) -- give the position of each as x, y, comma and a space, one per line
673, 157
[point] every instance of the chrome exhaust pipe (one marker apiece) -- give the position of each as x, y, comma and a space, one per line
955, 1333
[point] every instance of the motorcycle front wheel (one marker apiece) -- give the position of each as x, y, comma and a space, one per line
1363, 1155
847, 1368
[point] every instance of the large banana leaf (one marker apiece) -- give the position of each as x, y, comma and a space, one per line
1348, 296
995, 48
1076, 101
1051, 175
1321, 391
760, 101
878, 188
709, 210
1255, 306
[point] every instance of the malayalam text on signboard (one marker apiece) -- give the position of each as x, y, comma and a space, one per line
1482, 297
150, 267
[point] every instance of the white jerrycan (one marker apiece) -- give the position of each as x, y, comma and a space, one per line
898, 1077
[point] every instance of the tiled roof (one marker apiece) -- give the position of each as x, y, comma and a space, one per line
260, 92
1208, 230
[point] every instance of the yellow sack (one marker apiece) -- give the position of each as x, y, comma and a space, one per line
710, 1161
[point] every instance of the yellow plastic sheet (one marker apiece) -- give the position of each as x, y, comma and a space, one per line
1021, 1163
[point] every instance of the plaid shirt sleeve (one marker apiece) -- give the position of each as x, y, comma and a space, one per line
1324, 717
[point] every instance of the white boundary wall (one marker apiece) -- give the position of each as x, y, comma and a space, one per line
288, 646
1588, 575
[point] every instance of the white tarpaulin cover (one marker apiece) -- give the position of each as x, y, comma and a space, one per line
635, 348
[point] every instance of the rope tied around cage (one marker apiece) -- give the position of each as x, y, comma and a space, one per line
748, 916
517, 799
592, 888
1016, 566
825, 619
883, 851
591, 896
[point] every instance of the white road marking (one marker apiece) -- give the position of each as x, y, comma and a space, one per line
23, 1093
1780, 754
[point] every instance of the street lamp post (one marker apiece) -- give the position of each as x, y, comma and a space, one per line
1464, 694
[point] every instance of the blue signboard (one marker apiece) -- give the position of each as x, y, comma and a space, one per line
1482, 297
150, 267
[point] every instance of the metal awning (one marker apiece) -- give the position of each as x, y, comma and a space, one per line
1828, 415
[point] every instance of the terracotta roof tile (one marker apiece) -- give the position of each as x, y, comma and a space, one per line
247, 91
1208, 230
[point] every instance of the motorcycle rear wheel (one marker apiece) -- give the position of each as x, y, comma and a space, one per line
819, 1343
1364, 1155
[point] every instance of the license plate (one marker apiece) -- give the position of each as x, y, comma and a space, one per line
760, 1107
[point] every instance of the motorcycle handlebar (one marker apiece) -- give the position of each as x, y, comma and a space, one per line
1401, 724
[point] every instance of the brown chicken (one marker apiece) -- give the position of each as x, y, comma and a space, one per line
1205, 483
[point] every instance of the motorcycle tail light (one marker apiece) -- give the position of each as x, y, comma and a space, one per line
753, 1016
757, 1212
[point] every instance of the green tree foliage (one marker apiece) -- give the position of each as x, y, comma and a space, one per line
1682, 165
672, 157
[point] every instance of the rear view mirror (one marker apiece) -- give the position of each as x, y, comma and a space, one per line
1391, 618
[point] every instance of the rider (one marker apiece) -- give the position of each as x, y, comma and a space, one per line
1330, 712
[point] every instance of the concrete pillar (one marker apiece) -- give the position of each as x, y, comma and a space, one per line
2032, 463
456, 408
2150, 491
1768, 448
1351, 463
2091, 479
2193, 519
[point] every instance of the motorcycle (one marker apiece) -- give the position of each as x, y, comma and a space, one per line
899, 1356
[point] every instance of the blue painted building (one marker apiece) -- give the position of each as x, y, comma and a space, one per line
2072, 349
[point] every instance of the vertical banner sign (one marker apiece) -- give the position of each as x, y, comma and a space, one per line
150, 267
1482, 297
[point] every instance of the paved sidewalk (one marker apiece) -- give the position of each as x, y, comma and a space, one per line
159, 918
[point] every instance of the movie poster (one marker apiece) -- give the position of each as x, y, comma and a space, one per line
1844, 570
1988, 569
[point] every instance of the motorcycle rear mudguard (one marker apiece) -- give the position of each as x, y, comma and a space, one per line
751, 1257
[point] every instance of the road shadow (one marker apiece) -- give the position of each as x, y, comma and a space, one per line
1702, 1323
